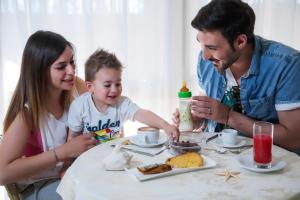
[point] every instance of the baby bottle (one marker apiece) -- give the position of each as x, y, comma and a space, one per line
186, 122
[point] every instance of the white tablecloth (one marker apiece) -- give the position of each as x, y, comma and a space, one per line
86, 179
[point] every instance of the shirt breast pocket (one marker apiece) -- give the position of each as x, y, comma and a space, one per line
262, 108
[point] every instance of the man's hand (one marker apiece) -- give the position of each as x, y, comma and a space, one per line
208, 108
198, 123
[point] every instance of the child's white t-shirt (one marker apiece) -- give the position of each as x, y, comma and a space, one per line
84, 117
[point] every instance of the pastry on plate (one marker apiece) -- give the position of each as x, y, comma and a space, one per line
186, 160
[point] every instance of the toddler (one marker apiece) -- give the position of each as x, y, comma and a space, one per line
102, 109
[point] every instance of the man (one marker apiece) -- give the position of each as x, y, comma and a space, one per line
246, 78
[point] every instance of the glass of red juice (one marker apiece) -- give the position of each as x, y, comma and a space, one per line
262, 144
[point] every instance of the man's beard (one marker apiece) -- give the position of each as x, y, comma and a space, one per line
225, 64
220, 66
223, 67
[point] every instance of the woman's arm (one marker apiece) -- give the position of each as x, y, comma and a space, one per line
14, 167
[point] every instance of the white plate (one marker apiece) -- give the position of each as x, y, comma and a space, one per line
162, 139
240, 142
208, 163
246, 161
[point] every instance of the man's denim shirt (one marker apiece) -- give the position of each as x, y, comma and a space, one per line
271, 84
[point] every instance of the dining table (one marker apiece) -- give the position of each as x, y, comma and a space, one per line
87, 178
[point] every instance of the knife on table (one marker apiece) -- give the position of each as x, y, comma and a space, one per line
134, 150
211, 138
137, 151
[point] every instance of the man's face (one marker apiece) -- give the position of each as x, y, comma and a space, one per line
217, 49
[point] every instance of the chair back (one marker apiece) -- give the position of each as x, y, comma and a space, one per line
12, 192
11, 189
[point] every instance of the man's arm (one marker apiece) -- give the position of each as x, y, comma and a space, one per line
286, 133
288, 130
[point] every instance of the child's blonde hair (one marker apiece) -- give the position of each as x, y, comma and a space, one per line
98, 60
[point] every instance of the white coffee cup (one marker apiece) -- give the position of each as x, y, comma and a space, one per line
149, 135
228, 136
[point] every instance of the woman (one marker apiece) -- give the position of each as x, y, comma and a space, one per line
35, 129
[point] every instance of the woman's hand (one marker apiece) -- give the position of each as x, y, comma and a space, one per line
67, 164
76, 146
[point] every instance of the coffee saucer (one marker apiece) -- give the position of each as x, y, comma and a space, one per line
137, 141
246, 161
240, 142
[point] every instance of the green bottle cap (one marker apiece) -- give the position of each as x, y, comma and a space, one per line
184, 94
184, 91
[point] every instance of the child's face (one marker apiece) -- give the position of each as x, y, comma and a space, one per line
106, 88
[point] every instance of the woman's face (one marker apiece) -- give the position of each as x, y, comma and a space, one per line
62, 71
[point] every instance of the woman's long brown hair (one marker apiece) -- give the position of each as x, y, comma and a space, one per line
40, 52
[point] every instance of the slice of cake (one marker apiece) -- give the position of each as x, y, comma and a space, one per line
186, 160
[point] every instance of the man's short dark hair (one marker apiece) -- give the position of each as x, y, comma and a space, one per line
230, 17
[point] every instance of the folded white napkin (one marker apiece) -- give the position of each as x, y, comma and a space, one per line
117, 160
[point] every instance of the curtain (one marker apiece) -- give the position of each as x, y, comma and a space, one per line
153, 39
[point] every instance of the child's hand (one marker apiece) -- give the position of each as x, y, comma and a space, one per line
175, 118
172, 131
